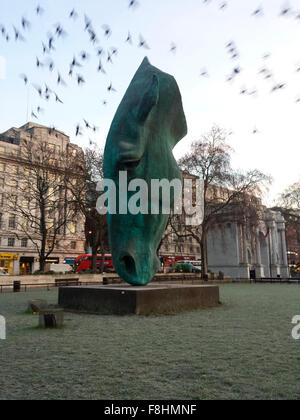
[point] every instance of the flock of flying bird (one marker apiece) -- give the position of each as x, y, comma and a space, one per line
77, 62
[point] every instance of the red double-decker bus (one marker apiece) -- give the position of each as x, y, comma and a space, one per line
83, 263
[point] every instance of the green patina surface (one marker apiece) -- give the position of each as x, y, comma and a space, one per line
148, 124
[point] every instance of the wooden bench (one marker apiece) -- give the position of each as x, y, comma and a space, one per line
112, 280
66, 282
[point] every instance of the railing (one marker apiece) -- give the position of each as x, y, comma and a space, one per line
182, 278
157, 279
46, 286
278, 280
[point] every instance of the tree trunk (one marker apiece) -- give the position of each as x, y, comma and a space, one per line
44, 234
203, 247
42, 264
94, 259
102, 262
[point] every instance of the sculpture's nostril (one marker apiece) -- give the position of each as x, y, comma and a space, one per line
129, 264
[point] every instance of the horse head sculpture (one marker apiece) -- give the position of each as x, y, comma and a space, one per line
148, 124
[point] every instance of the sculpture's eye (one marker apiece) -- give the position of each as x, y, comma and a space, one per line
129, 165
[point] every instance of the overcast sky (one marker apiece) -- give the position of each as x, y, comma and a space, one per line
200, 30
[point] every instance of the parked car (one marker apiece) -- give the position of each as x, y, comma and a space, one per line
194, 266
3, 272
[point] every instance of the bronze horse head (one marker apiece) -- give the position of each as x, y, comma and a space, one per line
148, 124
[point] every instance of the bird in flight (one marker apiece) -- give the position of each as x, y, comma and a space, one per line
25, 78
87, 125
107, 30
51, 65
258, 11
143, 43
110, 88
84, 55
39, 10
109, 60
88, 22
204, 73
93, 36
73, 14
59, 30
45, 48
25, 23
99, 51
57, 98
39, 63
285, 10
80, 79
100, 67
60, 80
78, 130
114, 51
129, 38
173, 48
18, 35
50, 42
133, 4
75, 63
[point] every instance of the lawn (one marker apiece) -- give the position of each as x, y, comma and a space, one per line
241, 350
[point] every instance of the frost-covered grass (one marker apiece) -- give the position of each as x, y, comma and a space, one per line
242, 349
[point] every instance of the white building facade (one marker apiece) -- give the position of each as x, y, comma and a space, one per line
243, 253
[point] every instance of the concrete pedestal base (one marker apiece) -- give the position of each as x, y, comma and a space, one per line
126, 300
51, 318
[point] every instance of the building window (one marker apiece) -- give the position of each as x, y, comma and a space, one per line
11, 242
14, 169
24, 242
1, 222
13, 201
73, 245
51, 147
12, 222
14, 184
73, 228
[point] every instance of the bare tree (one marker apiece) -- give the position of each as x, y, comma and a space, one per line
290, 198
42, 207
85, 195
228, 194
289, 206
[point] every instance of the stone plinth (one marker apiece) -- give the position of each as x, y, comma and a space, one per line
51, 318
128, 300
